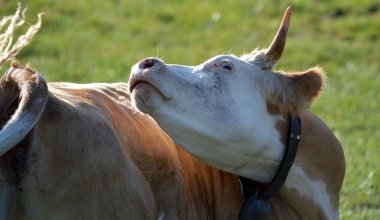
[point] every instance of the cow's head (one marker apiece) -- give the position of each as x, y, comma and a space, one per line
225, 110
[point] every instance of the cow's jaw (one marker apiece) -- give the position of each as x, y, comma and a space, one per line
218, 115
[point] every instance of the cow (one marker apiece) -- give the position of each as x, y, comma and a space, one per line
233, 113
81, 151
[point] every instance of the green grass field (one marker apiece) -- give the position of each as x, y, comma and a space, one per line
99, 41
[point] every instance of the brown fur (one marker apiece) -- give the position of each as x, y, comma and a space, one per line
292, 92
91, 156
319, 154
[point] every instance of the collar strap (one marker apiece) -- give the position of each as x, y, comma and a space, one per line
262, 194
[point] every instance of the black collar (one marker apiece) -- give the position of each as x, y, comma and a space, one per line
258, 197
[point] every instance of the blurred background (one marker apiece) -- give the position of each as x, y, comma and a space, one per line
99, 41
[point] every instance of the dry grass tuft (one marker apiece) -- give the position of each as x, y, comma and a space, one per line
8, 48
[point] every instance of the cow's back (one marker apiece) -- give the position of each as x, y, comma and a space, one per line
75, 166
182, 186
92, 156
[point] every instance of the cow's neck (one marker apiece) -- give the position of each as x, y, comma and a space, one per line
307, 195
301, 187
258, 196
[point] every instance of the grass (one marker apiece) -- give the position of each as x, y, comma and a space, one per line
94, 40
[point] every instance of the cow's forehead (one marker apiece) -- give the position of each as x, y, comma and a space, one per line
222, 57
206, 65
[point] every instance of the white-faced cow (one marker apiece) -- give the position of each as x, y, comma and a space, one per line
233, 113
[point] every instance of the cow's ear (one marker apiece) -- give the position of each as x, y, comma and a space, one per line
292, 92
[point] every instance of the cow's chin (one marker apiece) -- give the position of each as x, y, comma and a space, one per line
146, 98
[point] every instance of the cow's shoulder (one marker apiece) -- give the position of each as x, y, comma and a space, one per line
76, 147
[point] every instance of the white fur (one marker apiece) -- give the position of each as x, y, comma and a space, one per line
313, 189
218, 115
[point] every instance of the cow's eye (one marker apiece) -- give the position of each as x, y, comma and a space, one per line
226, 66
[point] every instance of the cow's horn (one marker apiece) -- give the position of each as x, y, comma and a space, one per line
276, 48
29, 89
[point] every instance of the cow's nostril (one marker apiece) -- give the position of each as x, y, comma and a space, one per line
147, 63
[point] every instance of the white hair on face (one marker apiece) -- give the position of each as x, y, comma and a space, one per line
256, 57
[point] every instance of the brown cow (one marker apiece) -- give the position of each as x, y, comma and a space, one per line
72, 151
